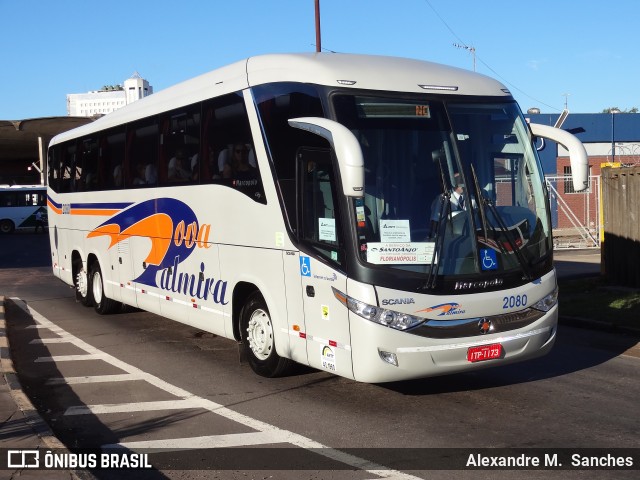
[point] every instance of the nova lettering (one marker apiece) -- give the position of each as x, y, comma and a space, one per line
192, 235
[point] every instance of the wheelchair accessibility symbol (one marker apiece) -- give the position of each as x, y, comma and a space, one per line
489, 259
305, 266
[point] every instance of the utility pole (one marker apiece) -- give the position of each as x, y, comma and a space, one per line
472, 50
318, 39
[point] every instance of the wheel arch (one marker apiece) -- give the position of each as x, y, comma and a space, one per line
241, 292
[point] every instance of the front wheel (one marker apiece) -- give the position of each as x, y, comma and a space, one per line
102, 304
258, 342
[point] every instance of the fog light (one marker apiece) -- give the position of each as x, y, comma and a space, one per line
389, 357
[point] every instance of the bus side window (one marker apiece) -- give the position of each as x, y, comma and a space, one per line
226, 129
180, 146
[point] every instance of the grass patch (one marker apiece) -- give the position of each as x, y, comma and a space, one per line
594, 299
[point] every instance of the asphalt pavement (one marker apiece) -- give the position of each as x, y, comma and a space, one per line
22, 428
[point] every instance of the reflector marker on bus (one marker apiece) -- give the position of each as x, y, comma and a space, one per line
167, 298
322, 341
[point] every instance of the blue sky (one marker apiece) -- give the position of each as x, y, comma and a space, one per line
541, 50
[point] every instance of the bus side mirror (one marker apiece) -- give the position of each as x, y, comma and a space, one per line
346, 147
577, 153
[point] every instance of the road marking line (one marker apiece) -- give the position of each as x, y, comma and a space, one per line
125, 377
70, 358
135, 407
192, 443
285, 436
46, 341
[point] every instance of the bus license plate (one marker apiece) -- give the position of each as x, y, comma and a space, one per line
485, 352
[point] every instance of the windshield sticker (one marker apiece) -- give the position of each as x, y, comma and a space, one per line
404, 253
395, 231
327, 229
489, 259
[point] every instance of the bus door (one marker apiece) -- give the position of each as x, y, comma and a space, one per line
326, 320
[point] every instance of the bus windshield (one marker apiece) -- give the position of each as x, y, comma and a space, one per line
450, 188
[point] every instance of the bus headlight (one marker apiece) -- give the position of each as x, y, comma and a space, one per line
548, 302
383, 316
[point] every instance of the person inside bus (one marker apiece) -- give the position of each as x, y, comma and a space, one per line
177, 169
139, 178
117, 176
239, 167
457, 200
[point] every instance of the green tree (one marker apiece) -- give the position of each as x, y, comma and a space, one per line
618, 110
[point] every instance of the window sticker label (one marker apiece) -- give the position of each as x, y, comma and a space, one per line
400, 253
305, 266
279, 239
394, 231
327, 229
328, 360
488, 259
361, 217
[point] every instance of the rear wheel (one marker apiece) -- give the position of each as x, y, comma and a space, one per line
7, 226
258, 342
102, 304
81, 284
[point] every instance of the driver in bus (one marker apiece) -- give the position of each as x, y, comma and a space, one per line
457, 200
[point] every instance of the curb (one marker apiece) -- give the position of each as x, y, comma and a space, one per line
598, 325
31, 415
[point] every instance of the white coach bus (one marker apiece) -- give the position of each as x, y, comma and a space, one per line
19, 207
309, 206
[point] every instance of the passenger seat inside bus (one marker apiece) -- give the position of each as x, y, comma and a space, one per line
151, 174
227, 153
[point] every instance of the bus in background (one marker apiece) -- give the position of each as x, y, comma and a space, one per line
21, 206
378, 218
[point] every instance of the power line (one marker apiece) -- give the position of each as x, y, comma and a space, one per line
462, 44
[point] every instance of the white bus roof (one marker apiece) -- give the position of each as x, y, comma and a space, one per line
22, 187
367, 72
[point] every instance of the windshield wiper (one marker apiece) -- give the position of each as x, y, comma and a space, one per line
444, 211
482, 202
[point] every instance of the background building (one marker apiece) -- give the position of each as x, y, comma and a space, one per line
109, 98
609, 139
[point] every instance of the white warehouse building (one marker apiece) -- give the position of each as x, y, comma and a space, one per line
108, 99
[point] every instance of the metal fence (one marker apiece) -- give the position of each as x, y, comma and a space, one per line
575, 216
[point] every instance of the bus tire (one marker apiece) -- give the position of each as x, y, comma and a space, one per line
101, 303
7, 226
258, 342
82, 287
